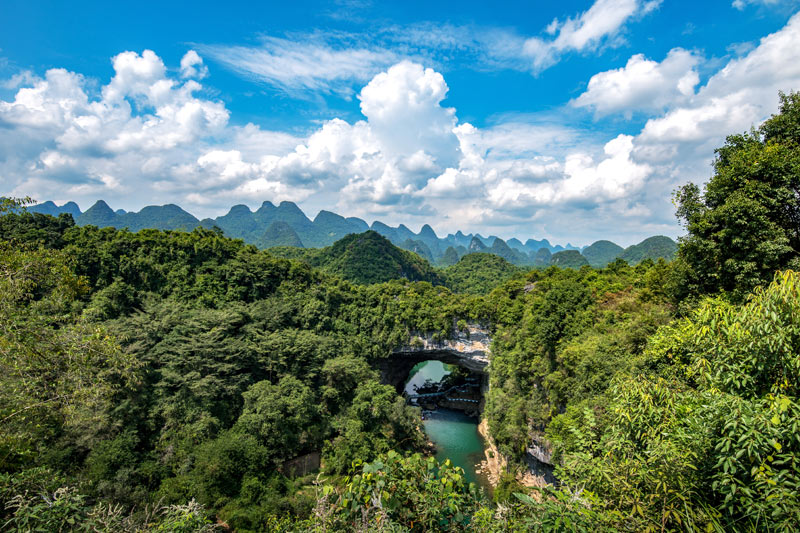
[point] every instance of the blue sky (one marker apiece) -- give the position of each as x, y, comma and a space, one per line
567, 120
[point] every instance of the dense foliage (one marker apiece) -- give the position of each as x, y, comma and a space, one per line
157, 368
174, 381
562, 337
479, 273
58, 371
710, 434
746, 222
35, 228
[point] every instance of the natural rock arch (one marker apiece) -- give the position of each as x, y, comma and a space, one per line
469, 349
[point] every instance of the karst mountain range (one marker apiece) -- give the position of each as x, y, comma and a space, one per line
287, 225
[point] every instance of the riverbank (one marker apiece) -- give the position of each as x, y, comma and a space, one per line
494, 464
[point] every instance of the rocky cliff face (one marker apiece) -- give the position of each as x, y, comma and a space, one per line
469, 348
539, 458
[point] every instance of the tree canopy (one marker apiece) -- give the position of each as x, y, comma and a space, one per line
745, 224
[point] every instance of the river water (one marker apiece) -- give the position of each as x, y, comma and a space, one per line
455, 434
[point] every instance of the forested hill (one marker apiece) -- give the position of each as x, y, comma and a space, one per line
287, 225
365, 258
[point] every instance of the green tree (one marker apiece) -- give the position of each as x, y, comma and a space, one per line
413, 493
57, 370
745, 224
284, 417
745, 358
376, 421
479, 273
713, 444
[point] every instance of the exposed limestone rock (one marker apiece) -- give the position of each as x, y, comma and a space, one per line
470, 348
538, 474
539, 458
494, 463
302, 465
540, 453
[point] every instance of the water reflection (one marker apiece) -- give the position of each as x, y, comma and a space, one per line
433, 371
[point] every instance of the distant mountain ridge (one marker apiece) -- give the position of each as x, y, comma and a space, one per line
50, 208
287, 225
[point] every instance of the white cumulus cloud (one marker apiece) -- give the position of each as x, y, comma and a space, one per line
741, 94
192, 66
402, 106
642, 85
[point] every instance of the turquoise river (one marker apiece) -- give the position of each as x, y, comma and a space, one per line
455, 434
